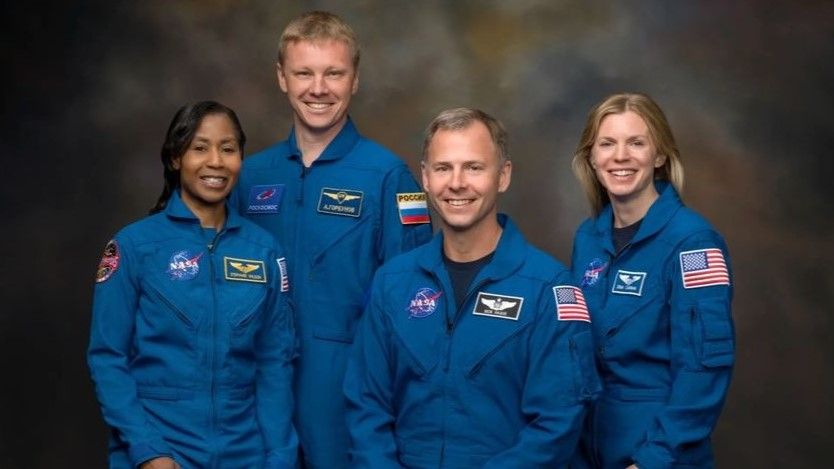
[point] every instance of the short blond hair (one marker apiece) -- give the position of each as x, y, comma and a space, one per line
318, 26
460, 119
659, 131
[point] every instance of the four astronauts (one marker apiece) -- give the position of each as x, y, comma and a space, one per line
294, 309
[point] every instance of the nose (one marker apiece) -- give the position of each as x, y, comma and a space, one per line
458, 181
215, 159
621, 152
319, 86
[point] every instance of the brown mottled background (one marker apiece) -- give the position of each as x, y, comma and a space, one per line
748, 87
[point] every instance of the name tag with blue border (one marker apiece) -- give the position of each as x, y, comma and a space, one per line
344, 202
629, 283
244, 270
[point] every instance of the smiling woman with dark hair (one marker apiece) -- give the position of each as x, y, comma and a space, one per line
192, 337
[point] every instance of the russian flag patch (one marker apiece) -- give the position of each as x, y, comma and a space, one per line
413, 208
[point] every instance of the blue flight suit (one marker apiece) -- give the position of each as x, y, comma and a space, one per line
191, 344
339, 220
501, 382
664, 337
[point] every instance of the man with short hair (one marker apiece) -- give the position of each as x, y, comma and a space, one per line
340, 205
475, 349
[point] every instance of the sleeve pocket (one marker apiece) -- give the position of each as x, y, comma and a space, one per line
584, 369
717, 337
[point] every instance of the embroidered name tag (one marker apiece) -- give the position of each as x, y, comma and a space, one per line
244, 270
265, 198
343, 202
629, 283
498, 306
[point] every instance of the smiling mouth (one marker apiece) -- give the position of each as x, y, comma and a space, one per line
318, 106
623, 172
214, 181
459, 202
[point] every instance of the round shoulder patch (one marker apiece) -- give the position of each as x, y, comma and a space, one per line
109, 261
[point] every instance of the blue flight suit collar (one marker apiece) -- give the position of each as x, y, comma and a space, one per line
662, 210
176, 209
341, 145
505, 262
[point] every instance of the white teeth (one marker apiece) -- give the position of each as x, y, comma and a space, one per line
318, 105
215, 181
623, 172
458, 202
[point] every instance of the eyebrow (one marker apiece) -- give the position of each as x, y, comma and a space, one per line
225, 140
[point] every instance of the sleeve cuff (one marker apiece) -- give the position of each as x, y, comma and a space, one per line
145, 451
652, 457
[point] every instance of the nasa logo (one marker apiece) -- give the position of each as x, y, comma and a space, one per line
184, 266
593, 272
424, 303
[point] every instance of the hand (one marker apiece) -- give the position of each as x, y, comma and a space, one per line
163, 462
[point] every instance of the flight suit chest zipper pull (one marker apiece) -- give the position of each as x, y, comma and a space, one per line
299, 199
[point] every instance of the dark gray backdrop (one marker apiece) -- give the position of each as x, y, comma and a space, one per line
747, 86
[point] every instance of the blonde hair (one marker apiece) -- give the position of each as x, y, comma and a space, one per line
659, 132
317, 26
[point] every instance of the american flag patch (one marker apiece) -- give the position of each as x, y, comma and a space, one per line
285, 279
704, 268
570, 304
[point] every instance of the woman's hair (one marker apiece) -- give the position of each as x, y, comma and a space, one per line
180, 134
659, 132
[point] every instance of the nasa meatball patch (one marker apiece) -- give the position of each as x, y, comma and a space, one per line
265, 198
184, 265
109, 261
424, 303
498, 306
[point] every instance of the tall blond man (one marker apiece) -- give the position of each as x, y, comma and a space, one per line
341, 205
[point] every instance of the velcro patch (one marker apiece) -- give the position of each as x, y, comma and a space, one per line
424, 303
570, 304
265, 198
244, 270
413, 208
343, 202
184, 265
704, 268
109, 261
285, 279
629, 283
498, 306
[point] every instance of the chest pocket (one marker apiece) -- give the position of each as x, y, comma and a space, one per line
621, 308
501, 352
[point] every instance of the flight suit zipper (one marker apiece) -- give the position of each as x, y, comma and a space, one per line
450, 328
213, 349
